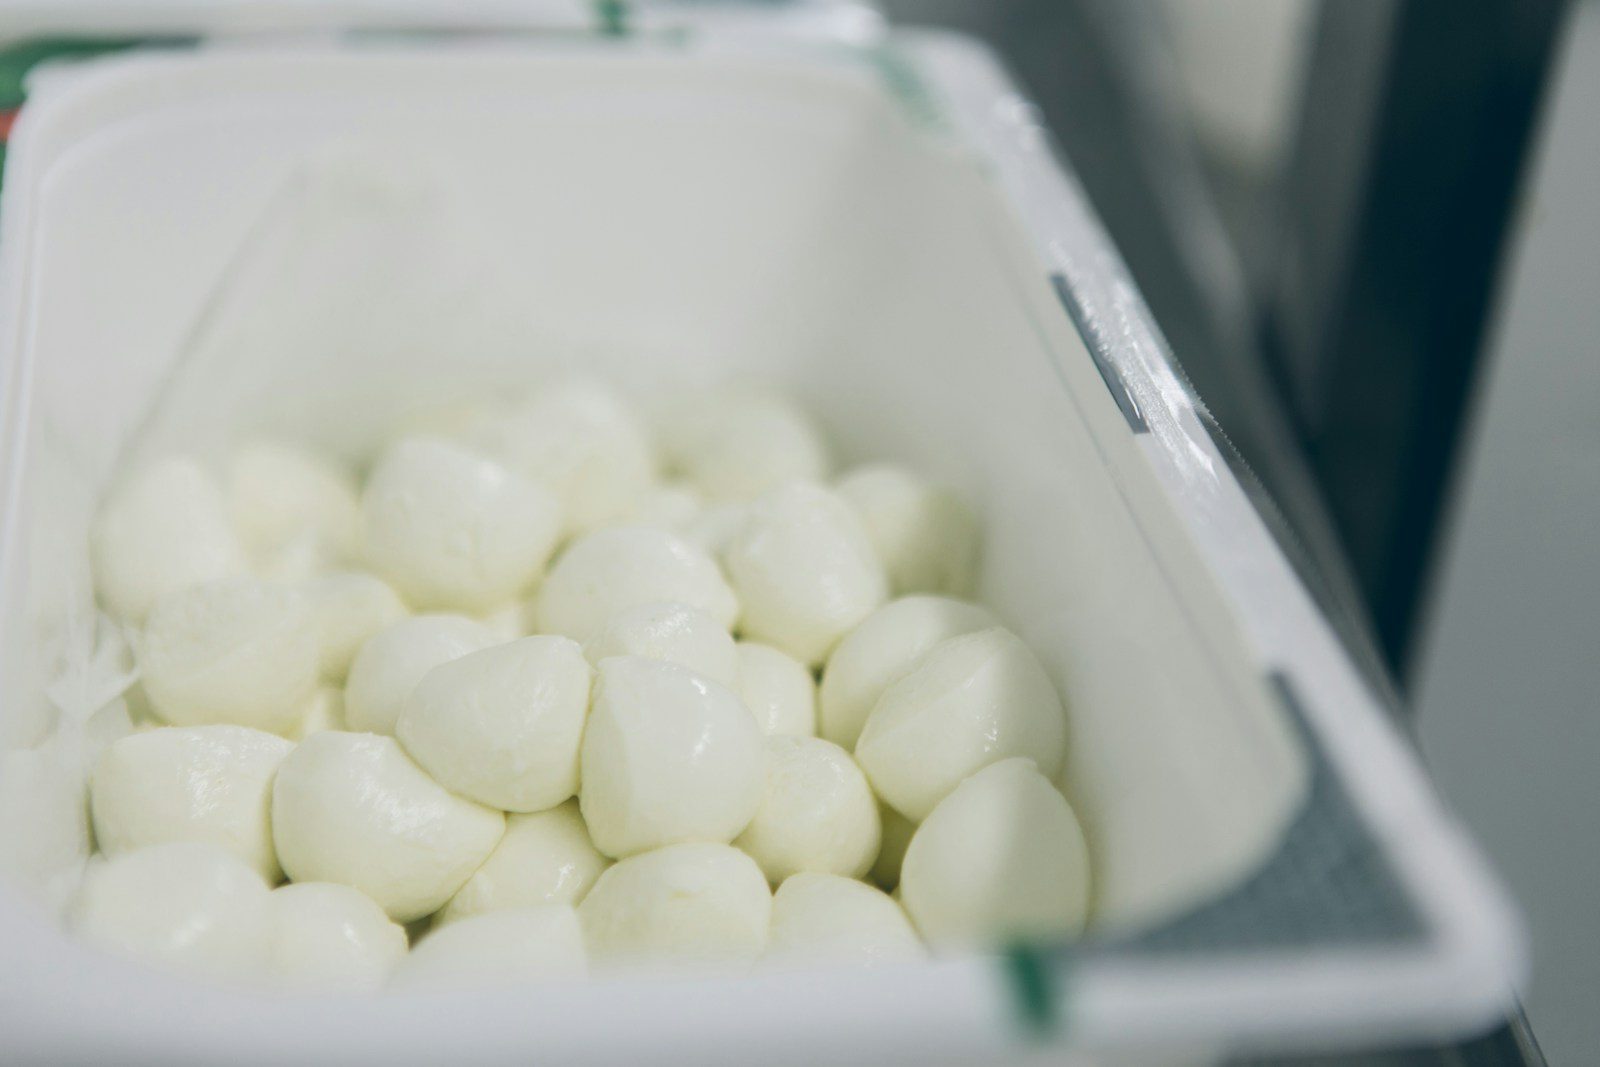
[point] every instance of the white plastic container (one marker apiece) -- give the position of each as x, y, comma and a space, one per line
877, 225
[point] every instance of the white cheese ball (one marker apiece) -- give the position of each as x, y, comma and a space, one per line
897, 831
693, 905
329, 938
778, 690
394, 660
235, 651
736, 443
1001, 858
804, 571
211, 784
531, 944
281, 496
884, 647
925, 534
668, 756
825, 918
349, 608
582, 442
161, 531
502, 726
354, 809
971, 701
191, 906
545, 857
671, 506
673, 633
620, 567
817, 814
452, 529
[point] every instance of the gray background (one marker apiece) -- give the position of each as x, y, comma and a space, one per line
1510, 695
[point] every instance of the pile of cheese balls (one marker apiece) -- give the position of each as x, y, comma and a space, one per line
540, 695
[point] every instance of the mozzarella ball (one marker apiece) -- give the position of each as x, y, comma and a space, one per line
897, 831
394, 660
279, 495
452, 529
670, 507
672, 632
530, 944
971, 701
198, 783
825, 918
1001, 858
925, 534
324, 711
621, 567
189, 905
583, 443
778, 690
804, 571
354, 809
235, 651
502, 726
694, 905
160, 532
884, 647
545, 857
331, 938
668, 756
817, 813
737, 443
349, 608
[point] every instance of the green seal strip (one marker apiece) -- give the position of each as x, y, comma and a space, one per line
1035, 980
16, 60
611, 17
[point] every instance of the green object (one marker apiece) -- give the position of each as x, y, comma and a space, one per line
16, 60
1035, 979
612, 16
